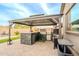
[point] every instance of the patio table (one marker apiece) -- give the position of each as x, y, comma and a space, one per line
65, 43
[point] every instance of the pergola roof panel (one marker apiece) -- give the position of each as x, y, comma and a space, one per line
39, 20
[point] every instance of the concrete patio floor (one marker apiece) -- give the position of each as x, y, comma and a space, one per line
37, 49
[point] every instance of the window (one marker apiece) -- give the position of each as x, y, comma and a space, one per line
75, 17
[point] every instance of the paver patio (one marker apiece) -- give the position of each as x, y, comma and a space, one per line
37, 49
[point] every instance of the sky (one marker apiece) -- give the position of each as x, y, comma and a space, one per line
75, 13
12, 11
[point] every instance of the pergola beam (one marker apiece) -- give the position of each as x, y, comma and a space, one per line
54, 20
40, 17
21, 23
40, 22
43, 24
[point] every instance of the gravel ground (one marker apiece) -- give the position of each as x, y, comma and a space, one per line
37, 49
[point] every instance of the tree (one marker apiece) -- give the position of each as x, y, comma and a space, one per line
75, 22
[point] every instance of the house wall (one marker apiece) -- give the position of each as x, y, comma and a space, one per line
72, 36
65, 18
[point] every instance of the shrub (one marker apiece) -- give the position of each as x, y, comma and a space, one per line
16, 33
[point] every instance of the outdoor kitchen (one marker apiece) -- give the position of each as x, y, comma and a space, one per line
44, 24
42, 34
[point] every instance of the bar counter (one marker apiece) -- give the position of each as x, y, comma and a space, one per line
28, 38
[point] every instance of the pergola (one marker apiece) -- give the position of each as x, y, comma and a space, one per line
39, 20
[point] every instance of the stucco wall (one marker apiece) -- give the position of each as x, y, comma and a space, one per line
68, 35
65, 18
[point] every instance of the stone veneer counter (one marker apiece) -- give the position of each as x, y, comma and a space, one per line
28, 38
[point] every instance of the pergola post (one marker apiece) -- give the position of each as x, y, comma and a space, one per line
10, 24
60, 28
30, 28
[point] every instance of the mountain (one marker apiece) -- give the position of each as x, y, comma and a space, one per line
18, 26
75, 22
4, 26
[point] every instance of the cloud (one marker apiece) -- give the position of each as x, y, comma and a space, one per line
45, 8
51, 8
23, 10
18, 8
13, 11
